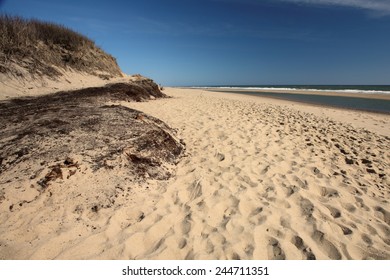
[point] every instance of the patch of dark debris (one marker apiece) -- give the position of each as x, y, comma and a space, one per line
55, 172
52, 127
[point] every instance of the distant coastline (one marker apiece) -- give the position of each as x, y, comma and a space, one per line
363, 98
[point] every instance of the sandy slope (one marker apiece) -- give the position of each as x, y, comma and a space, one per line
11, 87
262, 179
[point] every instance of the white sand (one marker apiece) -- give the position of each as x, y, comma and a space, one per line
261, 179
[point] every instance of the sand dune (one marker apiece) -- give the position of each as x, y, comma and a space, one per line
261, 179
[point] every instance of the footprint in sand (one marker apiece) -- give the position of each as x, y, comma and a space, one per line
346, 230
182, 243
265, 170
334, 211
285, 222
366, 239
249, 250
300, 183
290, 190
349, 207
329, 192
326, 246
275, 252
185, 225
383, 214
307, 207
360, 204
255, 217
306, 251
195, 190
209, 247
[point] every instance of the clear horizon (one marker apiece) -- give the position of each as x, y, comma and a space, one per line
232, 42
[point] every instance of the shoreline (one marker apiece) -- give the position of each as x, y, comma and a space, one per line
373, 121
288, 96
308, 92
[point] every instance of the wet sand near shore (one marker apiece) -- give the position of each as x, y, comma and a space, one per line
309, 92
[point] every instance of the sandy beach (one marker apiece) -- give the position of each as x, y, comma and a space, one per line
270, 179
260, 179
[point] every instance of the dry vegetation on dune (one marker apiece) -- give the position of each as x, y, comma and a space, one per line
80, 122
44, 48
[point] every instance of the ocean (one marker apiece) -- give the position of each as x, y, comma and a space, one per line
355, 103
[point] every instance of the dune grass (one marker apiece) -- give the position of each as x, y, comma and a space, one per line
43, 47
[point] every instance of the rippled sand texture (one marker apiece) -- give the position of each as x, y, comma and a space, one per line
265, 181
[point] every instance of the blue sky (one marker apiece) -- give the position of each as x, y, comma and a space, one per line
232, 42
